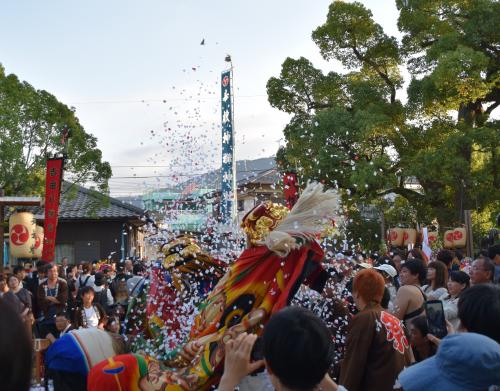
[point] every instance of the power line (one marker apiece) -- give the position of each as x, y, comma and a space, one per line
183, 175
166, 100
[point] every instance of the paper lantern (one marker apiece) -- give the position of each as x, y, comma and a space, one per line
22, 234
38, 247
396, 237
459, 237
432, 236
409, 236
448, 241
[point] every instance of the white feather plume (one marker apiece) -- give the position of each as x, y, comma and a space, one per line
305, 220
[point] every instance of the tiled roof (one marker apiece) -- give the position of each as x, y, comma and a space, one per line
79, 203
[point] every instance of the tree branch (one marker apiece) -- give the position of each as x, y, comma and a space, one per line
492, 107
402, 191
376, 68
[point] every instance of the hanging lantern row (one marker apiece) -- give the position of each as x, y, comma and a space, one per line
26, 238
455, 238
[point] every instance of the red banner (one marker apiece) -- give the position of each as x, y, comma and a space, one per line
52, 194
290, 189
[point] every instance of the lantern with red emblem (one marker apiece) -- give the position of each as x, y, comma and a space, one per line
396, 237
459, 237
38, 247
433, 236
409, 236
22, 234
448, 239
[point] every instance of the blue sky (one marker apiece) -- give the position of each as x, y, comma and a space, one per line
117, 62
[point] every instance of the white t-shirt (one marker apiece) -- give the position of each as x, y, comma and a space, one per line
434, 294
91, 317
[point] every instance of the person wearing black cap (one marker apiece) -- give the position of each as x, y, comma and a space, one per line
102, 295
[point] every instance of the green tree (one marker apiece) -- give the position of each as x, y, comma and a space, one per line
353, 131
31, 122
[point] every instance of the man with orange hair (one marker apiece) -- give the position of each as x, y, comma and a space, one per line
377, 348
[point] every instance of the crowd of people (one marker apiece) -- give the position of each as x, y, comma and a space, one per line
84, 295
365, 329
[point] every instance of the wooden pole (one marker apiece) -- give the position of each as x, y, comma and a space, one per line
468, 229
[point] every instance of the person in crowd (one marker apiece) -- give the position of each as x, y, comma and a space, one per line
4, 288
129, 267
119, 285
72, 273
89, 314
9, 297
397, 260
445, 256
482, 271
20, 273
71, 278
464, 361
22, 294
52, 298
113, 324
63, 326
38, 276
421, 345
94, 267
457, 283
28, 268
377, 347
15, 352
479, 310
409, 302
494, 255
85, 278
458, 256
106, 270
302, 365
102, 294
437, 278
135, 280
389, 273
64, 267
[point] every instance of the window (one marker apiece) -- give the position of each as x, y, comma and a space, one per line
65, 250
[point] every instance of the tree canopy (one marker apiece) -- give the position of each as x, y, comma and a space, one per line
31, 124
411, 118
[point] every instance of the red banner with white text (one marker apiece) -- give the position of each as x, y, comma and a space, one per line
290, 189
53, 180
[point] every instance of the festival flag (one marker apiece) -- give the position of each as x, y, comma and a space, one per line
228, 169
52, 195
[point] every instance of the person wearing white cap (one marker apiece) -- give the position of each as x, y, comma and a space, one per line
389, 272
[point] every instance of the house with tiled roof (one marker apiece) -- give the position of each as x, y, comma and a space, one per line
93, 226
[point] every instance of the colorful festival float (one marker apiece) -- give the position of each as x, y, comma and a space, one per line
162, 309
282, 254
